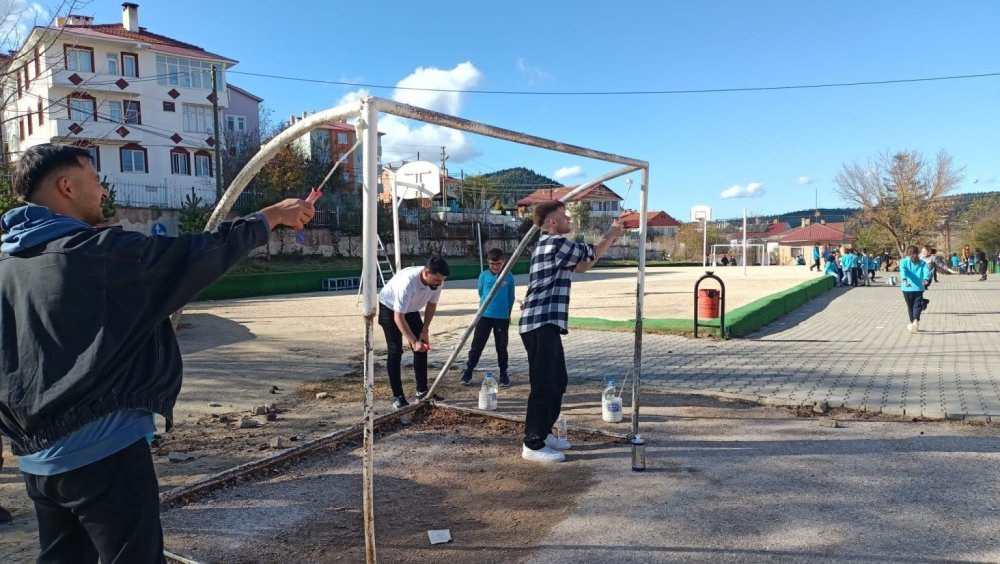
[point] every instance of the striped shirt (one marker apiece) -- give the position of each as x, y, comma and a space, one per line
552, 265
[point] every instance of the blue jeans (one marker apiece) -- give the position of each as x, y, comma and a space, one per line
914, 304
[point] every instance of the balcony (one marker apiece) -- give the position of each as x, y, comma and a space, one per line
97, 130
166, 194
95, 82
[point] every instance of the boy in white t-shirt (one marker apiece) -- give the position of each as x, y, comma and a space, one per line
399, 305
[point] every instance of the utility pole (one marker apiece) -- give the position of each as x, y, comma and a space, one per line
215, 135
444, 178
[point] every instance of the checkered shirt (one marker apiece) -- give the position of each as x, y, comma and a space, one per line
552, 265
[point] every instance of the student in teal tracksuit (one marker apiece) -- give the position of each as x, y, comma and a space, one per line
914, 277
847, 265
831, 270
495, 320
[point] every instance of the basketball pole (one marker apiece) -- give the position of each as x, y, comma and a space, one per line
745, 242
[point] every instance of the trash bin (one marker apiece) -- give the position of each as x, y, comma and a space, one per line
708, 304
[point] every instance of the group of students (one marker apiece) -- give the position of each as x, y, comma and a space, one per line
851, 268
973, 262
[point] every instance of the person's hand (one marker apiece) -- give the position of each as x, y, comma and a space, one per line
425, 338
616, 229
419, 346
293, 212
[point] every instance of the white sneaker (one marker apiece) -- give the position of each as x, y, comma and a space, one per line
544, 454
909, 327
558, 444
916, 327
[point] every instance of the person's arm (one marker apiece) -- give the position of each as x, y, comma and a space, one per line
404, 328
425, 334
602, 246
510, 295
176, 269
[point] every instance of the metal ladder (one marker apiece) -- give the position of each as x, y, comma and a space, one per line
385, 270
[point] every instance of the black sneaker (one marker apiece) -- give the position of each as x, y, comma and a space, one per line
423, 395
400, 402
504, 380
467, 377
926, 303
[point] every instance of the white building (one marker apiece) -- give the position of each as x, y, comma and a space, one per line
141, 102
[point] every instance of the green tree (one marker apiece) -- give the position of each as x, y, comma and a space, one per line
986, 234
901, 194
8, 200
478, 192
194, 214
689, 240
579, 215
108, 207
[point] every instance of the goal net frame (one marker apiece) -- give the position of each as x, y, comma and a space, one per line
760, 247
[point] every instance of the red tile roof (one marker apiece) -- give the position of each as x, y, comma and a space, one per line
159, 42
596, 193
815, 232
776, 228
653, 219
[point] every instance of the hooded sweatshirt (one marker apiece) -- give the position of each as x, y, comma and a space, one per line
87, 351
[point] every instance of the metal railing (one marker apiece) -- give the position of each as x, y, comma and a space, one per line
167, 195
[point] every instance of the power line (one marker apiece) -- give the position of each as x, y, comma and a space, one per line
630, 92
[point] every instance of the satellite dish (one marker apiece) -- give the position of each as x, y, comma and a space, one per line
419, 179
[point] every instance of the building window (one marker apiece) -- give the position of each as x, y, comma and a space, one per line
236, 123
202, 163
113, 64
189, 73
342, 138
20, 85
169, 106
180, 162
133, 158
31, 127
95, 154
20, 128
27, 79
80, 59
82, 107
115, 112
197, 119
130, 65
38, 61
133, 115
41, 115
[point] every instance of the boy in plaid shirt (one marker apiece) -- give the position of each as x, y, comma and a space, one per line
544, 321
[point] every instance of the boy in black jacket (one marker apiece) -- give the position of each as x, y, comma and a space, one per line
88, 352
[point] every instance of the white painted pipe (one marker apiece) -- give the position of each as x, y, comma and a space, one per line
640, 294
369, 270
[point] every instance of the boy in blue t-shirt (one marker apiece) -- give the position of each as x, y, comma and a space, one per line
496, 318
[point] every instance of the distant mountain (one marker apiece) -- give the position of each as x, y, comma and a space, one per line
520, 178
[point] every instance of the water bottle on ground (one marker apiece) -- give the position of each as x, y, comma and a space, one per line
561, 428
488, 393
611, 405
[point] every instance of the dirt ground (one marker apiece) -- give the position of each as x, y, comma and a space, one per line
280, 352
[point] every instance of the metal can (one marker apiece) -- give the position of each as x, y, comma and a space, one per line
638, 454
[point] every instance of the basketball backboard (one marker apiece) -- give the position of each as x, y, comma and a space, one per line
701, 213
419, 179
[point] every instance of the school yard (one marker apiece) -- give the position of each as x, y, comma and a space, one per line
727, 480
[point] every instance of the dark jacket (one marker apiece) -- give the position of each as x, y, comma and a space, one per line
85, 328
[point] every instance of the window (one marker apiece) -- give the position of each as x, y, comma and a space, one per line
133, 115
38, 58
41, 115
80, 59
202, 163
342, 138
95, 154
113, 64
115, 112
133, 158
180, 162
189, 73
27, 79
169, 106
197, 119
20, 86
20, 128
31, 127
236, 123
82, 107
130, 65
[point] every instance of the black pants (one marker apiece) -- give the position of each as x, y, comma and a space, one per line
487, 325
548, 377
815, 265
914, 304
109, 509
855, 275
982, 271
394, 341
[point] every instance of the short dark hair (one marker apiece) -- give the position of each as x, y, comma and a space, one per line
932, 251
40, 161
437, 265
494, 254
545, 209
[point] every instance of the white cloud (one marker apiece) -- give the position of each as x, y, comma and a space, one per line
531, 72
352, 97
19, 17
752, 190
404, 138
988, 179
568, 172
803, 181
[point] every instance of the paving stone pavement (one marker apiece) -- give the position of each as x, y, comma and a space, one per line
849, 348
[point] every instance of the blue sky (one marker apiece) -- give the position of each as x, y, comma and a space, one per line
698, 145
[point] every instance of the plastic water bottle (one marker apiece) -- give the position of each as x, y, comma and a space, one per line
561, 428
488, 393
611, 405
